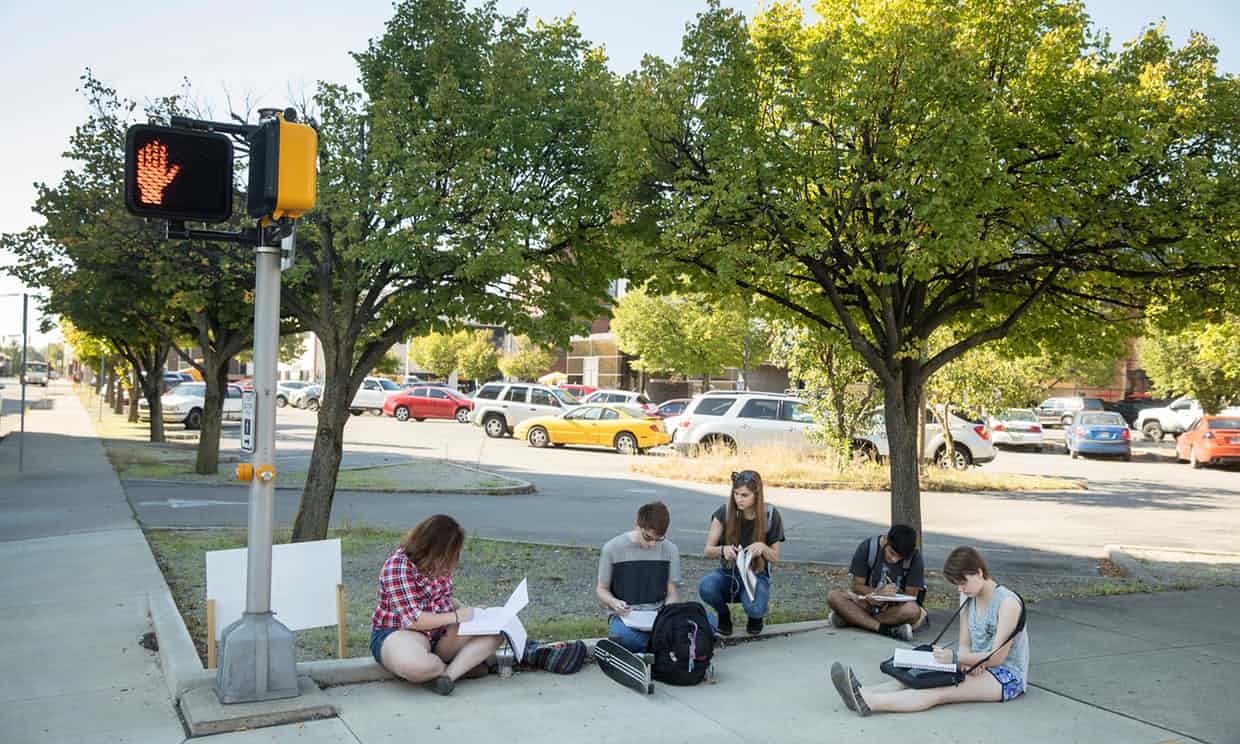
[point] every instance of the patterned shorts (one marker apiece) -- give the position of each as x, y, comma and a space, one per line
1013, 686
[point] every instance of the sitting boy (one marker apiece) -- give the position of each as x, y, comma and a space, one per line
886, 565
638, 570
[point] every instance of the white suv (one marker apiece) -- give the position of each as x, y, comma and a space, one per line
620, 397
500, 406
973, 445
742, 420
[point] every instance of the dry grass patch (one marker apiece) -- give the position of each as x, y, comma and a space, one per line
794, 469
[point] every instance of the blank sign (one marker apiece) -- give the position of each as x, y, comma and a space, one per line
304, 576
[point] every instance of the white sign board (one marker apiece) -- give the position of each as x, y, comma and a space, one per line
304, 576
249, 404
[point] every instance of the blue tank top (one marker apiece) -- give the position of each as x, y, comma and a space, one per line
982, 630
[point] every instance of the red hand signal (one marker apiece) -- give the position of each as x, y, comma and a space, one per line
154, 175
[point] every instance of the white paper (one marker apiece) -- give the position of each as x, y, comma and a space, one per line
910, 659
491, 620
749, 579
639, 619
515, 632
891, 597
304, 576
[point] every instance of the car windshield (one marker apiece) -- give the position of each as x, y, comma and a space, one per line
388, 384
565, 398
191, 388
1102, 419
1018, 415
1225, 423
631, 411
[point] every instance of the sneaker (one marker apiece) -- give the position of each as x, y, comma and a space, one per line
754, 626
903, 633
836, 619
839, 678
442, 685
725, 625
862, 708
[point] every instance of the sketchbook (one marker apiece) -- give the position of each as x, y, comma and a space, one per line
749, 579
639, 619
910, 659
890, 597
492, 620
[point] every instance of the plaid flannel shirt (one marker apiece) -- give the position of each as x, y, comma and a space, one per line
405, 593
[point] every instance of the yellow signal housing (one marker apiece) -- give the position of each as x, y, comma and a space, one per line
245, 472
299, 146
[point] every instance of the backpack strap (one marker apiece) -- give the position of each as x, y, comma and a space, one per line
873, 561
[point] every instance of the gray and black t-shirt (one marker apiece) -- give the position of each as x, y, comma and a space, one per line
638, 575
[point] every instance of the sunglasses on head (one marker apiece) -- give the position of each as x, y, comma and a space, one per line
744, 477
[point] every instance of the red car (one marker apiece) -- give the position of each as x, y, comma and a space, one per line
1212, 440
428, 401
578, 391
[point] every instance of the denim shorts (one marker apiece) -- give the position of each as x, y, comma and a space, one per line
379, 635
1013, 686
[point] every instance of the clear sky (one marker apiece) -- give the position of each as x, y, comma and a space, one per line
265, 49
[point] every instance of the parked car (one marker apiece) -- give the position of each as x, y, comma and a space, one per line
627, 429
185, 402
308, 397
1172, 419
741, 420
285, 390
620, 398
428, 401
1211, 440
1017, 427
1131, 408
971, 442
673, 407
1061, 410
1098, 433
500, 406
372, 396
577, 391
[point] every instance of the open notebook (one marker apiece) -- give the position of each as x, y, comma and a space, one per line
910, 659
639, 619
493, 620
749, 579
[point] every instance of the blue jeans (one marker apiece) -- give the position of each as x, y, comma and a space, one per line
637, 641
722, 587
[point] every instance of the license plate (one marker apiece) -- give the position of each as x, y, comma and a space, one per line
1105, 435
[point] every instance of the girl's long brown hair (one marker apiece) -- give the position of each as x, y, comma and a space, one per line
434, 546
732, 527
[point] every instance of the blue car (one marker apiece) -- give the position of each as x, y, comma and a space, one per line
1098, 433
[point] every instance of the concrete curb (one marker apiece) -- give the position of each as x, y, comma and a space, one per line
1123, 556
517, 488
177, 654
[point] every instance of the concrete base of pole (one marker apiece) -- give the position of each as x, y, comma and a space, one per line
257, 660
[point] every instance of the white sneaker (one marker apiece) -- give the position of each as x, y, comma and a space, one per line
903, 633
836, 620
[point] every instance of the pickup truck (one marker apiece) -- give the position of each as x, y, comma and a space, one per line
1174, 419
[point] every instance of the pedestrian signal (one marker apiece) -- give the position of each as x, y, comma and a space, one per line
283, 156
178, 174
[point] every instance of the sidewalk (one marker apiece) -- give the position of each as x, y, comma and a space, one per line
78, 574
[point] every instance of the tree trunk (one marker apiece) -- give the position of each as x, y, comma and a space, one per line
315, 509
135, 392
154, 399
110, 388
216, 379
900, 414
118, 399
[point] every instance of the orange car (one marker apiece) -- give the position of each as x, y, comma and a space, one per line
1213, 439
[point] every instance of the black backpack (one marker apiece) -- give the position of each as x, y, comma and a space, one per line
683, 643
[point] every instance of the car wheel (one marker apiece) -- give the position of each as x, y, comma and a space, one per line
401, 413
281, 401
494, 426
312, 404
194, 419
421, 419
462, 415
1065, 421
1127, 457
1192, 459
960, 459
718, 443
1153, 430
537, 437
626, 443
356, 411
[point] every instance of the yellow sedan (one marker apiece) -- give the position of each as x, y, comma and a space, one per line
627, 430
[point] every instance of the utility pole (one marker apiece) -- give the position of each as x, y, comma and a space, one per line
21, 439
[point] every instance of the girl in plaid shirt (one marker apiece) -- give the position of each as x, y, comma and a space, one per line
414, 626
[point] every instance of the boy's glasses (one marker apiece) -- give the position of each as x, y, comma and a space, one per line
651, 538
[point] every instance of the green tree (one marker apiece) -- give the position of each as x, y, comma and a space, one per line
901, 166
1202, 361
528, 362
688, 334
389, 365
435, 352
476, 357
465, 180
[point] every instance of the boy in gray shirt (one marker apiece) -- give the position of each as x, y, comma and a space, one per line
638, 570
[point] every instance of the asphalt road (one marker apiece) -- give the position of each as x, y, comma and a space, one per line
586, 496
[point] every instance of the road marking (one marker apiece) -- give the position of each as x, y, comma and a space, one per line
641, 490
189, 503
